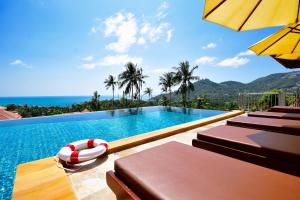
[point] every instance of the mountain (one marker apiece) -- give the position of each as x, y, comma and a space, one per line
230, 89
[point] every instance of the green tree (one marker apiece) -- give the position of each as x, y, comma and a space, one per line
201, 101
111, 82
269, 99
128, 79
140, 81
184, 77
11, 107
148, 91
231, 105
95, 102
167, 81
163, 100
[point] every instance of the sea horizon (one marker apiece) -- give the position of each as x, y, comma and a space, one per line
60, 101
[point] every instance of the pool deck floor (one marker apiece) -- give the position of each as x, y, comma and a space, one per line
90, 184
43, 178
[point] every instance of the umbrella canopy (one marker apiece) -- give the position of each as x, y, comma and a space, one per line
291, 64
284, 41
293, 56
241, 15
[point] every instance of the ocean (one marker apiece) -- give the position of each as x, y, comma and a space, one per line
48, 100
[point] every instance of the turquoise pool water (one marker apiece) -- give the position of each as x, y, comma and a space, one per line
35, 138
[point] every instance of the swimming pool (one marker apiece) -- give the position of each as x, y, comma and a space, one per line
35, 138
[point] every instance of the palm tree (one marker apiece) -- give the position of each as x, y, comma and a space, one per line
149, 92
184, 77
140, 81
111, 82
128, 78
167, 82
95, 100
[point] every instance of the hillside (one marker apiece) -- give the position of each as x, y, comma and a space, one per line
230, 89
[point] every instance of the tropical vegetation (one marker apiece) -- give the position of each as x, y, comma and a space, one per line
111, 82
132, 79
180, 87
184, 77
148, 91
167, 81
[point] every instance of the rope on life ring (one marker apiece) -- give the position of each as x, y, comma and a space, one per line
80, 151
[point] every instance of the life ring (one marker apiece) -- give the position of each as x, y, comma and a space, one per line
83, 150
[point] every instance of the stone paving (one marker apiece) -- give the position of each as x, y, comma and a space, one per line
89, 181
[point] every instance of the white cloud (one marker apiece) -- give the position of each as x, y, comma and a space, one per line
88, 66
210, 46
124, 27
112, 60
169, 35
94, 29
141, 41
205, 60
129, 31
234, 62
161, 11
246, 53
88, 58
164, 5
121, 59
161, 15
154, 33
19, 62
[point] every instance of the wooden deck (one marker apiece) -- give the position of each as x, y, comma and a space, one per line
42, 179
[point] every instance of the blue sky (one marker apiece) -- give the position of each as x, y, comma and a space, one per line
68, 47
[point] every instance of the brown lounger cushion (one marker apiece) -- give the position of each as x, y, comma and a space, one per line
286, 109
278, 115
178, 171
278, 125
283, 147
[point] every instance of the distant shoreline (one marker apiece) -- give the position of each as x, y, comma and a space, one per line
52, 96
61, 101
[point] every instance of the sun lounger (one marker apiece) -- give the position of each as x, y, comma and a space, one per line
277, 125
275, 150
178, 171
277, 115
266, 143
286, 109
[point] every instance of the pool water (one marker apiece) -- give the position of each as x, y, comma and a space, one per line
35, 138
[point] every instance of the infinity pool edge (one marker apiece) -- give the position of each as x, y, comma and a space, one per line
114, 146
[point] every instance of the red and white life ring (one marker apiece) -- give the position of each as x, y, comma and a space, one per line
83, 150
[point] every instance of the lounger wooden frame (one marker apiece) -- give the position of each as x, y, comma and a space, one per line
285, 109
120, 189
247, 122
248, 157
275, 115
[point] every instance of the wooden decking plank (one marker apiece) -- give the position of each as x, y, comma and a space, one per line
42, 179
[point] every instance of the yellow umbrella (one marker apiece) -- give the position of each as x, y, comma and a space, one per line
241, 15
284, 41
291, 64
290, 61
292, 56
